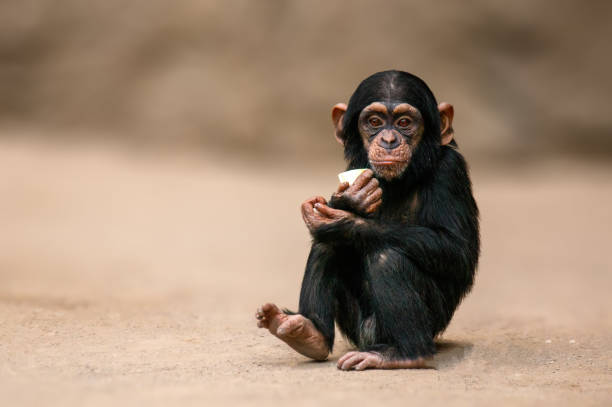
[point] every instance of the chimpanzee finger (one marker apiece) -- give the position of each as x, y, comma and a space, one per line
371, 186
307, 211
321, 200
346, 357
362, 180
373, 207
373, 196
316, 199
370, 361
352, 361
323, 210
328, 212
343, 187
306, 206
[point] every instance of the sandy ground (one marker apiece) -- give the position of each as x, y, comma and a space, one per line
132, 278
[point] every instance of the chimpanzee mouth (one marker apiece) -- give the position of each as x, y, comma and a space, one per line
389, 168
388, 162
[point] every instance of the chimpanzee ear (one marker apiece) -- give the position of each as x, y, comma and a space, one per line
337, 117
446, 123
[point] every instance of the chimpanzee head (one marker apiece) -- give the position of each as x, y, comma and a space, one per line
394, 126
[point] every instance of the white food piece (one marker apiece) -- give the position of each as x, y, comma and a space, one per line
350, 176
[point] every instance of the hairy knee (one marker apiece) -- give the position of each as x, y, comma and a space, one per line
385, 257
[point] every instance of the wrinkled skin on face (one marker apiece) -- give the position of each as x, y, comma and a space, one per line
390, 133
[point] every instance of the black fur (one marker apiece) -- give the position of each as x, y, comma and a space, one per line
392, 281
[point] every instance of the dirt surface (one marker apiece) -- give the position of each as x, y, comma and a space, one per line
133, 279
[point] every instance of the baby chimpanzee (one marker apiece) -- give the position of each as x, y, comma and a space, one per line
394, 253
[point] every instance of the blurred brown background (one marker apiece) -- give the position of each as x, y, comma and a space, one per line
528, 78
153, 156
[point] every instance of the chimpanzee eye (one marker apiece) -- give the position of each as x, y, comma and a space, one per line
375, 121
403, 122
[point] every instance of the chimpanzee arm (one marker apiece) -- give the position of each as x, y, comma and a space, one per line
433, 248
446, 235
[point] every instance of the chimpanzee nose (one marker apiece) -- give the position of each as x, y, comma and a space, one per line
389, 140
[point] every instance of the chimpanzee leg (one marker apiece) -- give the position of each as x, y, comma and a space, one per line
317, 295
311, 332
405, 305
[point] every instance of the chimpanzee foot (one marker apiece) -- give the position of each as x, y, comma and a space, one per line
374, 360
296, 331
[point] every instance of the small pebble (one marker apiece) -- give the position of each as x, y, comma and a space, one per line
548, 341
572, 341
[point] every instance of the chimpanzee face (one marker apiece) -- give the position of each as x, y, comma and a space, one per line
390, 133
393, 125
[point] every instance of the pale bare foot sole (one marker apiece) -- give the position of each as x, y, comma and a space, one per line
295, 330
371, 360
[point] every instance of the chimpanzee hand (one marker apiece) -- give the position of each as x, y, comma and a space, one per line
363, 198
317, 213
